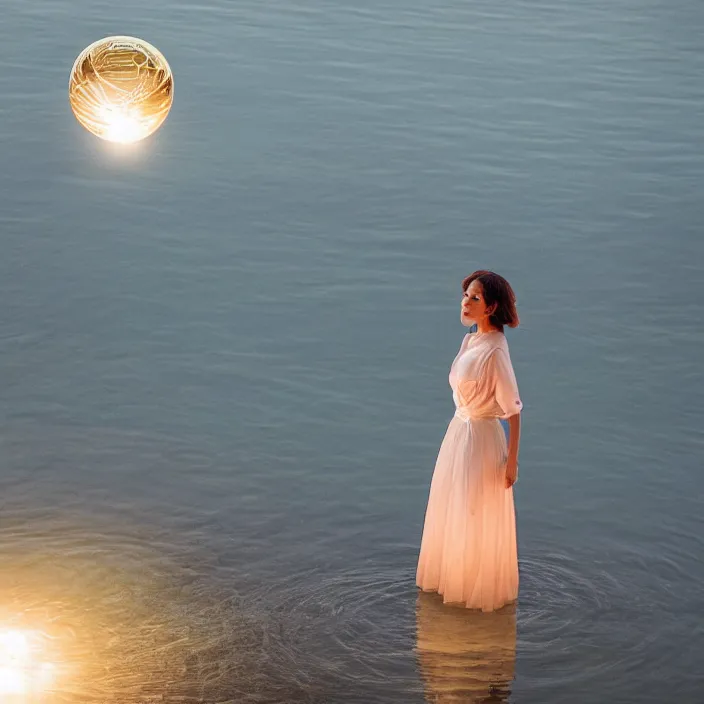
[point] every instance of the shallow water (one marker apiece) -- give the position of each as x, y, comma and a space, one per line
224, 352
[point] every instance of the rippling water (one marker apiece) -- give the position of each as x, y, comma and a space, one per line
224, 353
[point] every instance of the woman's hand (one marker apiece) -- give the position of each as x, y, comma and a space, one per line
511, 472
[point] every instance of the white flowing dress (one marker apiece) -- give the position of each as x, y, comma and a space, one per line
468, 551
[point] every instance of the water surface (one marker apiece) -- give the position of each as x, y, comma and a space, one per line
224, 353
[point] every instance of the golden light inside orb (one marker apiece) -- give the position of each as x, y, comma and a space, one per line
22, 672
121, 89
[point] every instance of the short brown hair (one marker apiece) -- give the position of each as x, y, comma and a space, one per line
496, 290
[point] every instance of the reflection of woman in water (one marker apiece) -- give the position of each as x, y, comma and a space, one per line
468, 551
464, 655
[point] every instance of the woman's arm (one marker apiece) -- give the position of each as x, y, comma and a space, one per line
514, 441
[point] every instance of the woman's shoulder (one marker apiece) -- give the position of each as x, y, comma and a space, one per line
465, 341
497, 346
500, 341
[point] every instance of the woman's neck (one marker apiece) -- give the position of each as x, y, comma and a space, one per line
483, 328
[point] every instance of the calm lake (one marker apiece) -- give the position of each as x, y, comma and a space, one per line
224, 351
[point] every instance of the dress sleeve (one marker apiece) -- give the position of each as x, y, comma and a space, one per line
506, 387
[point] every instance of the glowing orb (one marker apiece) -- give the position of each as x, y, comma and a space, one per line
121, 89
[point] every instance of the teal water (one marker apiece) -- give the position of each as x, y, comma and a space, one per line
224, 353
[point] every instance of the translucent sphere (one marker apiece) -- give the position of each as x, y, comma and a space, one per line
121, 89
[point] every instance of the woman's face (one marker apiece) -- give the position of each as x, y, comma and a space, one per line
474, 309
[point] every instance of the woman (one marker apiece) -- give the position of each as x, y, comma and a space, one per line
468, 551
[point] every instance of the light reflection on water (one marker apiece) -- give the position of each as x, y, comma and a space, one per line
120, 621
25, 672
465, 656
